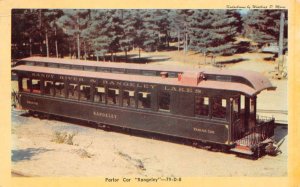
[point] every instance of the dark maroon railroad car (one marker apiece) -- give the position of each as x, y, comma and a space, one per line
214, 106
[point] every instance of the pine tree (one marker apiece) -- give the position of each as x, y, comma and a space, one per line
74, 21
176, 25
98, 33
50, 27
128, 32
214, 31
264, 26
150, 31
139, 29
114, 31
25, 31
163, 22
185, 16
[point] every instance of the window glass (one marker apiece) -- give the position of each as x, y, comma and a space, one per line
149, 73
36, 86
172, 74
128, 98
117, 70
30, 63
144, 99
59, 89
48, 86
235, 107
99, 94
73, 92
103, 69
89, 68
39, 64
133, 71
252, 116
219, 107
252, 105
76, 67
52, 65
164, 101
85, 92
242, 103
201, 105
26, 85
65, 66
113, 96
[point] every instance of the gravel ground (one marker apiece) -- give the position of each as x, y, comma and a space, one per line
97, 152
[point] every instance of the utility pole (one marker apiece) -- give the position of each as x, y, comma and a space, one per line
280, 50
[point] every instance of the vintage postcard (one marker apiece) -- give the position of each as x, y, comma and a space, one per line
149, 93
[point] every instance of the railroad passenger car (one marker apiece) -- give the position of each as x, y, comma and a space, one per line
214, 106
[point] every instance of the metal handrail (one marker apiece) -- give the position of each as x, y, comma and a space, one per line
263, 129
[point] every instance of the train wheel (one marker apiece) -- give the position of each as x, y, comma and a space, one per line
30, 112
224, 148
44, 116
195, 144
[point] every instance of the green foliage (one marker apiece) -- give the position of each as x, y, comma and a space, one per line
214, 31
99, 32
263, 25
83, 153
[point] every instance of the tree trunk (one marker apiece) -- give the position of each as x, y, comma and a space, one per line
70, 51
84, 47
111, 56
139, 52
30, 47
186, 44
97, 58
125, 55
178, 40
40, 33
158, 38
167, 39
56, 47
78, 45
47, 43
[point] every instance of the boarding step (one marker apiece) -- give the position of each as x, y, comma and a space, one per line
242, 149
250, 140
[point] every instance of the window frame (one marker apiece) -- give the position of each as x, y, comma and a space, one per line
150, 99
63, 90
208, 106
95, 87
117, 96
75, 90
51, 87
81, 92
226, 107
130, 98
159, 101
39, 83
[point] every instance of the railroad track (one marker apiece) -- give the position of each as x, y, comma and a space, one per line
273, 111
277, 122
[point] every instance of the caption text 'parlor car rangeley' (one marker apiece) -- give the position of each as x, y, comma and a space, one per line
214, 106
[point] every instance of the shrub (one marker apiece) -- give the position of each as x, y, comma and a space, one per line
63, 137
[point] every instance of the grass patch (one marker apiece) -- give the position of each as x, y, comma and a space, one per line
63, 137
83, 153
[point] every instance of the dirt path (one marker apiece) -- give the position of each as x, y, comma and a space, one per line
101, 153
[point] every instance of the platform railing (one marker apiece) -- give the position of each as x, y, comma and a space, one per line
263, 129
